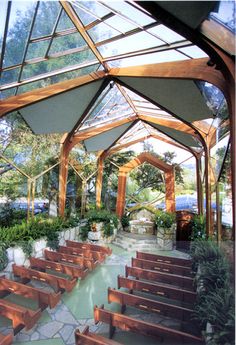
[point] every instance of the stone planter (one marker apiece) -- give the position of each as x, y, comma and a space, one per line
166, 238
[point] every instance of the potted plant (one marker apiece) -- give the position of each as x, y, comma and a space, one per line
166, 228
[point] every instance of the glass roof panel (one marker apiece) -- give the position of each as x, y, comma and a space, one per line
164, 56
102, 32
130, 44
7, 93
57, 78
64, 22
193, 52
43, 26
51, 65
10, 76
120, 24
72, 41
110, 105
37, 49
166, 34
130, 12
3, 14
85, 17
17, 35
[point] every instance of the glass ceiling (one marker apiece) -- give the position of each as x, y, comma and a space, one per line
40, 45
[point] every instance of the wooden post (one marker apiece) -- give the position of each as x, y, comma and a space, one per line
28, 198
207, 192
63, 172
99, 182
170, 190
121, 193
199, 185
33, 197
83, 197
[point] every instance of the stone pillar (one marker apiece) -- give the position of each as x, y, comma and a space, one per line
166, 238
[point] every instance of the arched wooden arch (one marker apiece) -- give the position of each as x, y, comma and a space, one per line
142, 158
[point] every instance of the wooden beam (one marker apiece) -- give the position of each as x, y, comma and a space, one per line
17, 102
194, 69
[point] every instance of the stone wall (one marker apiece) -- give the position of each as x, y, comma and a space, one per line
17, 256
166, 238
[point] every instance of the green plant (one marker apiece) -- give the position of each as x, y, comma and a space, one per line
84, 230
164, 219
198, 224
125, 221
27, 247
204, 250
108, 230
3, 257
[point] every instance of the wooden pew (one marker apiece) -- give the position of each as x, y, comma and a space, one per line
58, 283
88, 338
6, 339
162, 267
44, 298
74, 272
160, 277
164, 259
157, 289
89, 246
71, 259
127, 323
21, 317
143, 303
88, 254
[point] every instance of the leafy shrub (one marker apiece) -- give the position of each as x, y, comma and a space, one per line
96, 216
164, 219
3, 257
215, 302
198, 224
125, 221
27, 247
108, 229
84, 230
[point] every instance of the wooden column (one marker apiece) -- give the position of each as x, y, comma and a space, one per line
99, 182
199, 185
207, 192
170, 190
63, 172
121, 193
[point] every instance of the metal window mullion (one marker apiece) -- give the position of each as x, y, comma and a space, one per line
27, 44
98, 21
5, 35
62, 33
53, 32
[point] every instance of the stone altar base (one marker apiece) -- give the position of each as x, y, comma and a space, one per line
133, 242
141, 227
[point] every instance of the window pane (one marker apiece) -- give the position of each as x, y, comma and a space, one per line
226, 14
132, 43
101, 32
166, 34
46, 18
194, 52
37, 49
60, 44
19, 26
64, 22
10, 76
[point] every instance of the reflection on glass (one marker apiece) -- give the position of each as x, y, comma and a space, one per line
193, 51
37, 49
226, 14
166, 34
10, 76
46, 18
72, 41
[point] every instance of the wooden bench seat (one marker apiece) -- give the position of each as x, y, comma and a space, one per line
21, 317
143, 303
44, 298
88, 338
162, 267
6, 339
157, 289
127, 323
86, 253
71, 259
160, 277
89, 246
164, 259
75, 272
58, 283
